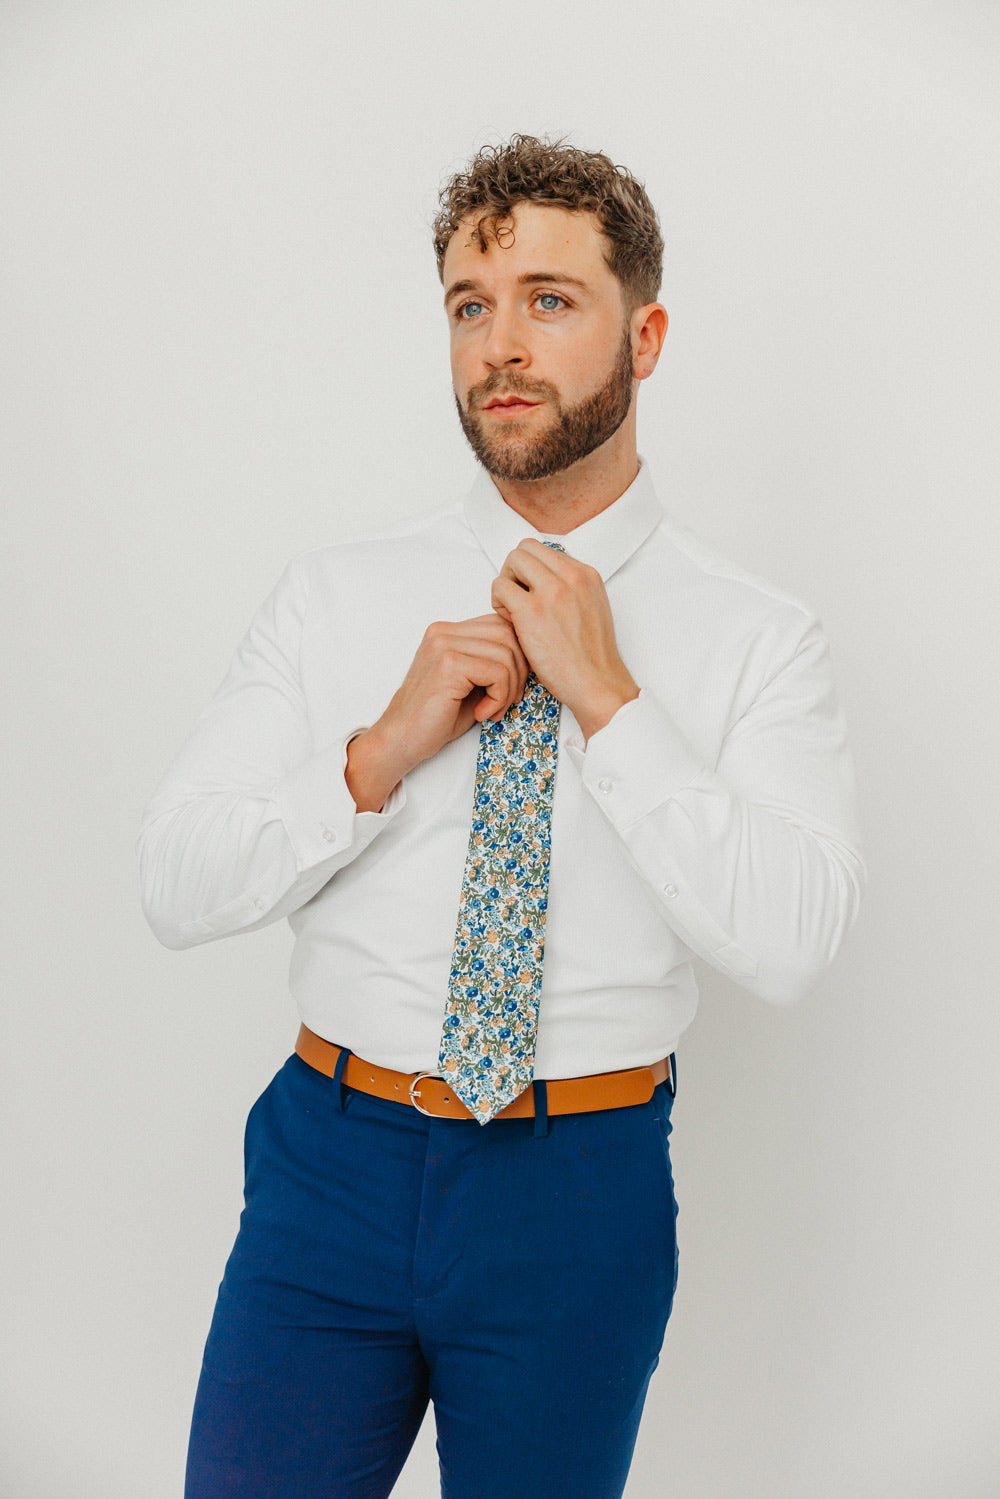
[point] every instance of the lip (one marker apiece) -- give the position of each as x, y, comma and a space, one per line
513, 406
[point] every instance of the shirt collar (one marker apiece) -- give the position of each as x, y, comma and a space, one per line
605, 542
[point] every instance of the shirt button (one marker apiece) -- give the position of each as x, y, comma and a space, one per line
604, 785
670, 890
260, 904
329, 835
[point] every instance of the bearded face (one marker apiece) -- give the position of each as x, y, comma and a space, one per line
544, 436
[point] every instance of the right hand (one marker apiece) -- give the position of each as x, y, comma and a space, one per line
463, 673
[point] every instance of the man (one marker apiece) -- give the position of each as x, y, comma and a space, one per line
505, 767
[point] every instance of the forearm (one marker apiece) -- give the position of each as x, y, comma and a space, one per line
372, 771
753, 859
217, 862
761, 899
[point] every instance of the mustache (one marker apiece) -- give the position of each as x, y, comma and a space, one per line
500, 384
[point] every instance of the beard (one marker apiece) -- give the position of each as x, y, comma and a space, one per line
574, 432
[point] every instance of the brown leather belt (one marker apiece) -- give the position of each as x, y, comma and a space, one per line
430, 1094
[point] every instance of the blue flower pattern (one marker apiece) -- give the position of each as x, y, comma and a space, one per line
491, 1020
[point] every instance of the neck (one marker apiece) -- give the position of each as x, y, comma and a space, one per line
559, 504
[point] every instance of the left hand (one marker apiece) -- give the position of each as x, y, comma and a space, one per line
562, 617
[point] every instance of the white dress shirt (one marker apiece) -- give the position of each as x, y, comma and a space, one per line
713, 815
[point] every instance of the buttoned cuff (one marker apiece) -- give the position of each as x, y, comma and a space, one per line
636, 762
318, 812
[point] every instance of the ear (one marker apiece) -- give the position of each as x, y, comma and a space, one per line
649, 329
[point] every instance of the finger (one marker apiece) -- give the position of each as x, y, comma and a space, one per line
475, 626
497, 698
530, 563
508, 595
500, 625
483, 626
487, 634
496, 672
521, 662
469, 634
521, 668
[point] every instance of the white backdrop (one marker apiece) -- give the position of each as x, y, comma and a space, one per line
223, 345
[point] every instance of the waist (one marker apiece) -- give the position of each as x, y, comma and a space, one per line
431, 1095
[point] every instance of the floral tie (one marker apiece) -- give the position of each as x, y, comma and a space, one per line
491, 1019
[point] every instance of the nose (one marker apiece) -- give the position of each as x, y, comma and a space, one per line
505, 342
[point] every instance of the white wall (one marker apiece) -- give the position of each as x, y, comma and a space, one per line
224, 345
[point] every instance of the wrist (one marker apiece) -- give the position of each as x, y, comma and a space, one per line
372, 771
600, 706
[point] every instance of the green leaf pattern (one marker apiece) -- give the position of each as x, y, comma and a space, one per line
491, 1019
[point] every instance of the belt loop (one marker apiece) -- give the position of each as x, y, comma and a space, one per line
338, 1089
541, 1097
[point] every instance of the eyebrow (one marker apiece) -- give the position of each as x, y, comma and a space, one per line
530, 278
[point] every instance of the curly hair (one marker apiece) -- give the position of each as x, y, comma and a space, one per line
528, 170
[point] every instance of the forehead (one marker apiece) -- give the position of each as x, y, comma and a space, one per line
535, 236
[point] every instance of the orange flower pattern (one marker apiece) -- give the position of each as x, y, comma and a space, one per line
491, 1021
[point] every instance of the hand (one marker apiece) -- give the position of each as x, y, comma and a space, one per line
560, 610
463, 672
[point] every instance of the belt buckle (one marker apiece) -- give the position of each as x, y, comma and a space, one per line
415, 1094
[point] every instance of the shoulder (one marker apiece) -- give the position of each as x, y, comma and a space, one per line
727, 600
721, 576
378, 554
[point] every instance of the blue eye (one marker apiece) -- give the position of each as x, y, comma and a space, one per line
468, 309
548, 297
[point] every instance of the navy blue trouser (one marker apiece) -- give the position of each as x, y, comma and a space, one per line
518, 1274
